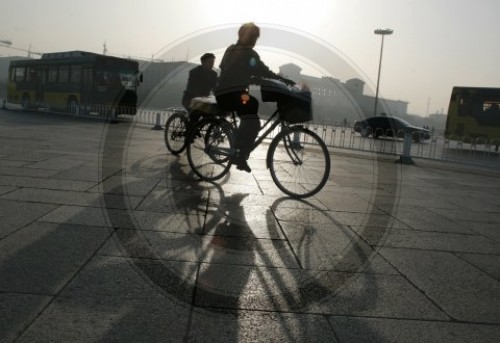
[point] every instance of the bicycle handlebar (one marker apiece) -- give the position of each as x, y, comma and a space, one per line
275, 83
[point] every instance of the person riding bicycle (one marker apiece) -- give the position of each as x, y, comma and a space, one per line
239, 64
201, 81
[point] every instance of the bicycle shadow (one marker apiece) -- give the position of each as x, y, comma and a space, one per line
237, 272
331, 253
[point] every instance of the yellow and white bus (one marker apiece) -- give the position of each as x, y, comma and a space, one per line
474, 115
74, 81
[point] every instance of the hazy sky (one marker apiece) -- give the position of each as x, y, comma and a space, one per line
436, 43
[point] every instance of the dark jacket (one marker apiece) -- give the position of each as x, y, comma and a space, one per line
238, 65
200, 82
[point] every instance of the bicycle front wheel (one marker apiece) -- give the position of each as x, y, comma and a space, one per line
175, 133
299, 162
210, 148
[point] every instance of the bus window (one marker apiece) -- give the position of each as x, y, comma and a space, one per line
469, 106
491, 108
63, 74
114, 80
52, 75
490, 114
19, 74
128, 80
101, 81
107, 81
32, 74
76, 74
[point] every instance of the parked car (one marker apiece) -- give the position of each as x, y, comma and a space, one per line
390, 127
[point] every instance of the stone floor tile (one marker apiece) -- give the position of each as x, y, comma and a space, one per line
381, 330
464, 292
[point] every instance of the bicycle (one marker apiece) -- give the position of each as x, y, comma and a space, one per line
176, 131
290, 152
177, 128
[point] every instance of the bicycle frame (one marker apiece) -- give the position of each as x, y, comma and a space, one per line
265, 133
274, 125
288, 144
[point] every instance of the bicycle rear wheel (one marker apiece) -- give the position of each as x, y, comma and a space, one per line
175, 133
210, 148
299, 162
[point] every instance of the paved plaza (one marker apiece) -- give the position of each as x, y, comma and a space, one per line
104, 236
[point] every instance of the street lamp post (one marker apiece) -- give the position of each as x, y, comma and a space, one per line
381, 32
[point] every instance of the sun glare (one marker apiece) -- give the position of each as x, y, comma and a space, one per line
287, 13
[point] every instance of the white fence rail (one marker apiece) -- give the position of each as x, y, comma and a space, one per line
457, 149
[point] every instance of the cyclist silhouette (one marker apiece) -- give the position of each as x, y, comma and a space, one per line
202, 80
239, 64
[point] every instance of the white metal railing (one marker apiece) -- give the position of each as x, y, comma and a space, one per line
438, 147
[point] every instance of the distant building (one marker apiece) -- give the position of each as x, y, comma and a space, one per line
335, 100
163, 83
395, 108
